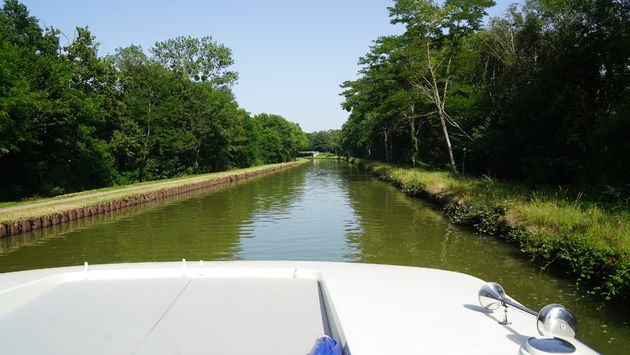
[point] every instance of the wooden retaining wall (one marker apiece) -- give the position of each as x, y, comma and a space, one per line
12, 228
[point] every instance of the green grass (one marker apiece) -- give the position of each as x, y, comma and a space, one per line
118, 187
326, 156
60, 204
588, 240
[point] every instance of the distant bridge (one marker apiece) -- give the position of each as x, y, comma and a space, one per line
306, 153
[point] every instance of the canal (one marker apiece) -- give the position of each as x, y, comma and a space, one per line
323, 210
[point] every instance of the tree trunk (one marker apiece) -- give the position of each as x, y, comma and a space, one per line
414, 142
197, 157
387, 160
391, 149
147, 143
448, 140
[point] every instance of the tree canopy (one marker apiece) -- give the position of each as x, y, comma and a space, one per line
325, 141
540, 94
201, 59
71, 120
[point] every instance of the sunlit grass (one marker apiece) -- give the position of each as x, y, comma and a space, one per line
326, 156
589, 240
111, 194
547, 211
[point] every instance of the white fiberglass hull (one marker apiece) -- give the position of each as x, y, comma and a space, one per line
252, 307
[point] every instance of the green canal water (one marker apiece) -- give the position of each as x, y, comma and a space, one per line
323, 210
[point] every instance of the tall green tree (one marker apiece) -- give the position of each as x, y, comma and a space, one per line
280, 139
71, 120
324, 141
201, 59
539, 95
434, 37
55, 109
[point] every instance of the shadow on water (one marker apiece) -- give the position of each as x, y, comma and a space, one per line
324, 210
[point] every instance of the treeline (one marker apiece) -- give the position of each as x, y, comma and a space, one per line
325, 141
541, 94
71, 120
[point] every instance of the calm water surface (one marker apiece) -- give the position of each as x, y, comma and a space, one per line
323, 210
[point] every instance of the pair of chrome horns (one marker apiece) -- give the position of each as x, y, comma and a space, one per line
553, 320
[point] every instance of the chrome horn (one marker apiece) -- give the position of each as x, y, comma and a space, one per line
553, 320
491, 295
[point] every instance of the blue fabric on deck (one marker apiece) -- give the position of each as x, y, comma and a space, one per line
326, 346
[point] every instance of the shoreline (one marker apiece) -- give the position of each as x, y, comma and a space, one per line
37, 215
598, 265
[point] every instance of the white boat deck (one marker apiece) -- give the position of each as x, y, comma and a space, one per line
251, 307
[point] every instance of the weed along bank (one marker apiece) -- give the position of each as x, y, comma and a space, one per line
589, 242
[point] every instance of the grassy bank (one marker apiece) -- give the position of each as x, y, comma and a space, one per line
60, 205
326, 156
590, 242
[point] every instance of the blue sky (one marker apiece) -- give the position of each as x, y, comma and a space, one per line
291, 55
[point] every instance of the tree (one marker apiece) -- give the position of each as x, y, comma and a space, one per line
200, 59
71, 120
434, 35
280, 139
324, 141
540, 95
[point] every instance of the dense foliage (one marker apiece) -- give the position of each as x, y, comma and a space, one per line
71, 120
325, 141
541, 94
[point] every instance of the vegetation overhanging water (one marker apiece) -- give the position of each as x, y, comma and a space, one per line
589, 242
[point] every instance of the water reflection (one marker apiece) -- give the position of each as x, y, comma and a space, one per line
40, 236
204, 224
310, 227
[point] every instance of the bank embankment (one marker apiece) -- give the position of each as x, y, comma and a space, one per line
590, 242
30, 215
